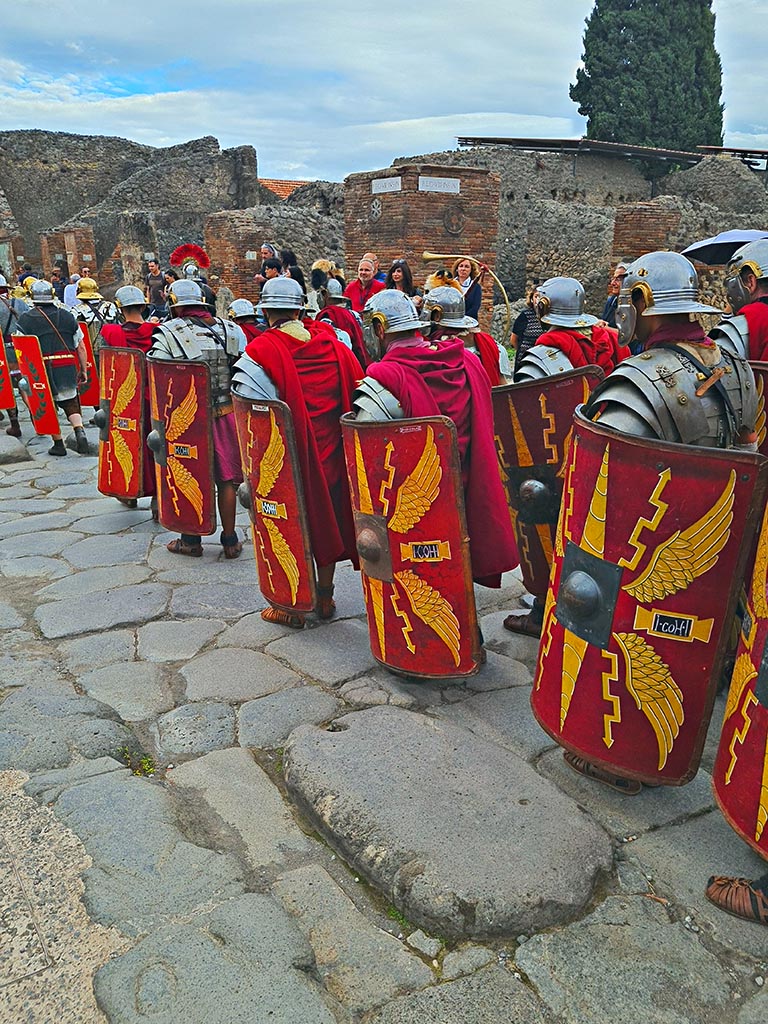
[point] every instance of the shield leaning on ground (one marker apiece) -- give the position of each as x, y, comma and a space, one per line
34, 385
182, 442
533, 424
411, 535
281, 542
121, 422
650, 551
90, 395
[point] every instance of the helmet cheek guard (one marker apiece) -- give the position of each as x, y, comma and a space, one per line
542, 306
737, 293
626, 318
373, 345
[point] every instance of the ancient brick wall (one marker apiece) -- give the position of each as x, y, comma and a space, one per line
451, 210
74, 246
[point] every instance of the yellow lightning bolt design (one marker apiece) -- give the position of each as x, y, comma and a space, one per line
524, 457
251, 445
546, 634
376, 593
762, 810
563, 533
548, 432
401, 614
740, 734
545, 539
650, 524
366, 502
524, 546
386, 483
609, 720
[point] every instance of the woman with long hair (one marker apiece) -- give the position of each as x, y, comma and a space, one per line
400, 278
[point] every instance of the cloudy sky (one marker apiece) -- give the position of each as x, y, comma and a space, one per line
324, 90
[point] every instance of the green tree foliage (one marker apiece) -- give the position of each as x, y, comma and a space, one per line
651, 74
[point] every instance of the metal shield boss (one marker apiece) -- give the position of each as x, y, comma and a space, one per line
120, 420
281, 541
411, 534
34, 385
181, 440
533, 424
740, 775
649, 556
7, 399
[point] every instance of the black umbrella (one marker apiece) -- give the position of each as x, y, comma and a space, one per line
719, 249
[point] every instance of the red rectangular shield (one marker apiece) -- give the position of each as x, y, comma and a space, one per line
7, 399
408, 504
533, 424
121, 435
90, 396
182, 442
649, 555
37, 393
278, 512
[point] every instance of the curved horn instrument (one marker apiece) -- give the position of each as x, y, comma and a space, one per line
428, 257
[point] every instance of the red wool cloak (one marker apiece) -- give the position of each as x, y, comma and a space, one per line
449, 381
316, 380
602, 349
757, 321
489, 356
346, 320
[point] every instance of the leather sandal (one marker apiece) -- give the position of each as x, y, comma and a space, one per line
629, 787
738, 896
129, 502
180, 547
280, 618
526, 623
232, 545
326, 606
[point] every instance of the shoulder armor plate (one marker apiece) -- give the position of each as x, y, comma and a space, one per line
372, 401
251, 380
542, 361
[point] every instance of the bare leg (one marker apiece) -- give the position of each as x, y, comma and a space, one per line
226, 498
325, 603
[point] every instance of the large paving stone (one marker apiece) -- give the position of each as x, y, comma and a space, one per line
503, 717
94, 581
36, 524
235, 788
194, 729
522, 648
377, 688
46, 726
621, 815
70, 490
28, 667
119, 607
627, 961
244, 963
232, 675
361, 965
12, 450
253, 632
492, 996
266, 722
100, 649
208, 569
450, 827
756, 1010
112, 522
176, 641
144, 871
216, 600
681, 858
9, 617
135, 690
74, 474
39, 544
47, 787
31, 504
331, 653
34, 566
129, 549
499, 673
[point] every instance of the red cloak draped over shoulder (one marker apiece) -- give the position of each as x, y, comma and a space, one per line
449, 381
757, 321
346, 320
601, 349
489, 356
316, 380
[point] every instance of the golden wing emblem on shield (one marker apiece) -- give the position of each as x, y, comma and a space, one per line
284, 556
686, 555
186, 483
183, 415
655, 692
743, 672
272, 460
123, 454
127, 390
420, 488
433, 610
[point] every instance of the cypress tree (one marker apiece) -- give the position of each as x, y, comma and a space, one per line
651, 74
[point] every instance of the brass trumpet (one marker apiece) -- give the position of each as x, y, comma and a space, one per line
429, 257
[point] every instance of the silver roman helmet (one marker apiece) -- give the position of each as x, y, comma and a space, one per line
129, 295
185, 293
754, 257
282, 293
669, 284
394, 311
240, 308
445, 306
41, 292
561, 303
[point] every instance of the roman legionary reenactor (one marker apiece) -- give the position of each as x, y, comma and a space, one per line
93, 310
745, 333
443, 317
243, 313
305, 366
192, 261
134, 332
192, 334
64, 358
573, 339
662, 490
10, 310
335, 308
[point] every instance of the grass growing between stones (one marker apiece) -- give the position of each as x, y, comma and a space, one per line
394, 915
139, 763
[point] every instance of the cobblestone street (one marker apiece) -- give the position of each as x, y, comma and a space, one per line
209, 819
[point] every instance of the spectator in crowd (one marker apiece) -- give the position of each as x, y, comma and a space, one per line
288, 258
614, 287
378, 273
400, 278
269, 251
169, 277
527, 328
70, 291
154, 290
26, 271
58, 283
296, 274
364, 285
467, 273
